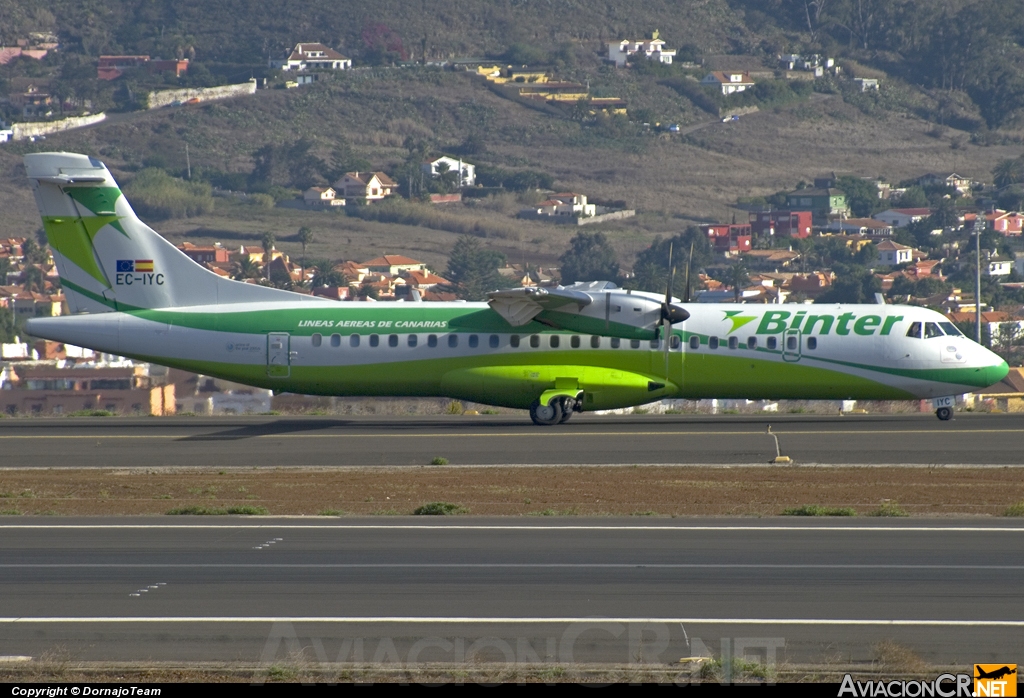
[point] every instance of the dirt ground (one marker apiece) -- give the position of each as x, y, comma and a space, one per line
522, 491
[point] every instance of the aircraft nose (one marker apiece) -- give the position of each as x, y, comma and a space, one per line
996, 371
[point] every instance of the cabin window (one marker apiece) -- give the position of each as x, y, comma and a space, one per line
951, 329
675, 342
915, 330
534, 340
634, 344
773, 343
791, 343
374, 340
392, 340
453, 340
514, 341
695, 342
595, 342
616, 342
734, 342
751, 342
554, 341
574, 341
317, 339
431, 340
655, 343
494, 341
812, 342
353, 341
474, 341
413, 340
932, 330
712, 342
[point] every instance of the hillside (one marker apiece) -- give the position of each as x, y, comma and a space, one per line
376, 117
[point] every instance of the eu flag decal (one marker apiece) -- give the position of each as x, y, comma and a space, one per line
125, 266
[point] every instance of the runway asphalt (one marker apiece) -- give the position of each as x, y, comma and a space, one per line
586, 590
970, 439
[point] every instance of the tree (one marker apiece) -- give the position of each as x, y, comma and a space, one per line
1008, 172
651, 271
8, 330
33, 279
267, 240
324, 274
244, 268
590, 257
861, 194
739, 278
945, 215
279, 278
305, 236
472, 270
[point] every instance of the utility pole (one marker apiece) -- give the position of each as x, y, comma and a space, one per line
188, 163
979, 226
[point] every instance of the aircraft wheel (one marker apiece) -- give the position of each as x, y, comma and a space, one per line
568, 408
546, 415
944, 413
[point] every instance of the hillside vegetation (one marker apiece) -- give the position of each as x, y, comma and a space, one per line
935, 111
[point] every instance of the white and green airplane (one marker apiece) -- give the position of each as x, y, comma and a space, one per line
554, 351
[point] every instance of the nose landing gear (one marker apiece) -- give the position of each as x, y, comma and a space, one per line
944, 407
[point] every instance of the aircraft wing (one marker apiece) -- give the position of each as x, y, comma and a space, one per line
588, 308
521, 305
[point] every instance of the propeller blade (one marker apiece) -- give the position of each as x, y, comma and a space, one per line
666, 337
671, 274
689, 263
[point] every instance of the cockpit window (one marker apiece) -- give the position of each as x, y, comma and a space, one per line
931, 329
951, 329
915, 330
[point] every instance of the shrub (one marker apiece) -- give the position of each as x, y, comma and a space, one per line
331, 512
91, 413
818, 510
438, 460
248, 510
440, 509
156, 194
889, 508
1015, 510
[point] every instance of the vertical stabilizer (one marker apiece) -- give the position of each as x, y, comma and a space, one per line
110, 260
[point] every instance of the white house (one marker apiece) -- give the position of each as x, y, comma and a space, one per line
728, 81
321, 197
312, 57
371, 186
866, 84
566, 204
902, 217
861, 226
998, 266
653, 49
893, 254
434, 168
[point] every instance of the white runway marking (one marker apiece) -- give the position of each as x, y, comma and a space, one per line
502, 565
515, 527
441, 620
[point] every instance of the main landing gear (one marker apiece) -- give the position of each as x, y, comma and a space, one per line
944, 413
558, 411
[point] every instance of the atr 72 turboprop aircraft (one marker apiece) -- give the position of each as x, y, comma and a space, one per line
554, 351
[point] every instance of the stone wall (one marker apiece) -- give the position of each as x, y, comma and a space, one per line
22, 131
165, 98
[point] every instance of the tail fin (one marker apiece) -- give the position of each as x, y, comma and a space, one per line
110, 260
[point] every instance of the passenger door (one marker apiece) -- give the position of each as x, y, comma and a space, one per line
278, 354
791, 345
